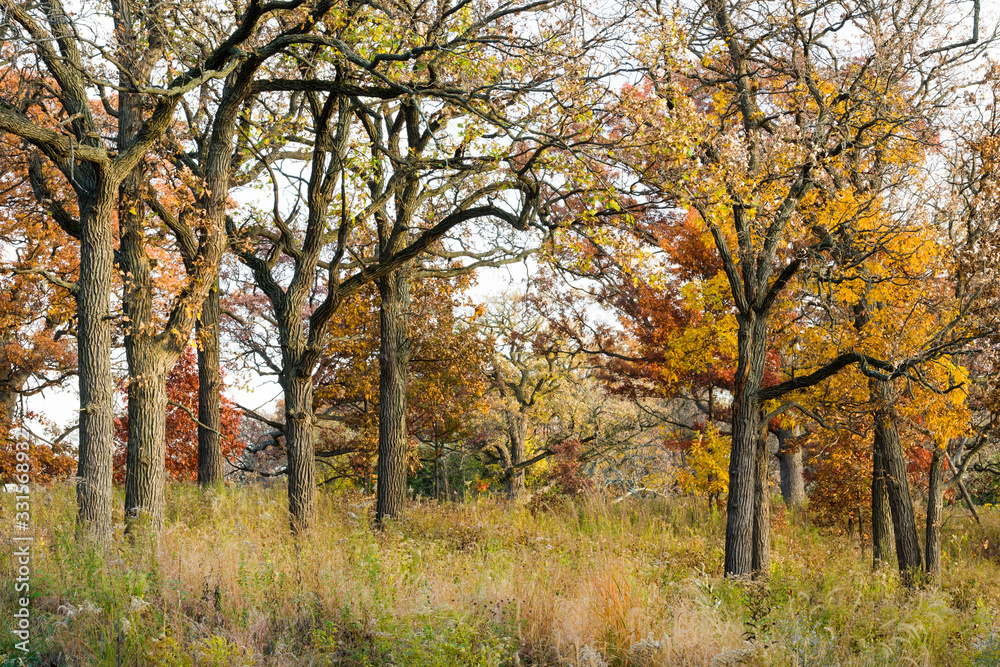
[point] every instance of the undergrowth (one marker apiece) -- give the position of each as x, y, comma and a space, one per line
579, 582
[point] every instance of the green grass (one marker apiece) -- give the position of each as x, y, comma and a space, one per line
481, 584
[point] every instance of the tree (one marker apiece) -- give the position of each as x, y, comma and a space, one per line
201, 240
229, 136
789, 121
445, 377
967, 212
36, 308
85, 162
388, 178
531, 362
61, 61
894, 300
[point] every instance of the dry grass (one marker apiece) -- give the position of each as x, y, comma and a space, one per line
587, 583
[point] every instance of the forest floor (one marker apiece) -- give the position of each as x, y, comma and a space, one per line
584, 582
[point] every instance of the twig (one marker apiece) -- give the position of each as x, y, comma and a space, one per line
190, 413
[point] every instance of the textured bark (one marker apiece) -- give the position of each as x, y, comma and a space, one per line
300, 438
148, 363
210, 461
218, 169
762, 514
302, 337
145, 469
935, 499
79, 150
93, 308
11, 385
152, 349
743, 466
793, 486
883, 538
393, 358
900, 502
217, 164
883, 535
518, 429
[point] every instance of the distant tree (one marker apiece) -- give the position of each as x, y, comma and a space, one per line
530, 363
444, 374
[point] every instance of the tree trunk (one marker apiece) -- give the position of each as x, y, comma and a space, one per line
437, 472
743, 467
883, 538
793, 486
148, 362
463, 486
762, 513
145, 463
935, 499
393, 358
516, 406
517, 429
93, 309
900, 502
445, 482
300, 443
210, 460
11, 385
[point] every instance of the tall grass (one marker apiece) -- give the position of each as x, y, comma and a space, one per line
585, 583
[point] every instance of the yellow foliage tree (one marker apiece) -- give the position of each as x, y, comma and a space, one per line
707, 470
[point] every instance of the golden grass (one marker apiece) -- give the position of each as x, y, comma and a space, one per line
587, 583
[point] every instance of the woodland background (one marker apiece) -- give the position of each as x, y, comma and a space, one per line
760, 241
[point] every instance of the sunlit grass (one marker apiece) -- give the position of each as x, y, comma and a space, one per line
585, 583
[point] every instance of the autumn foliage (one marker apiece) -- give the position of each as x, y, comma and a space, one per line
446, 377
182, 429
761, 237
707, 471
47, 463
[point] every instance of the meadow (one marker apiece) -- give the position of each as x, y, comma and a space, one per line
577, 581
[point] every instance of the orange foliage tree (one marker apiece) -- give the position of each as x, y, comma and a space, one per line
37, 326
445, 382
887, 294
182, 427
445, 379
